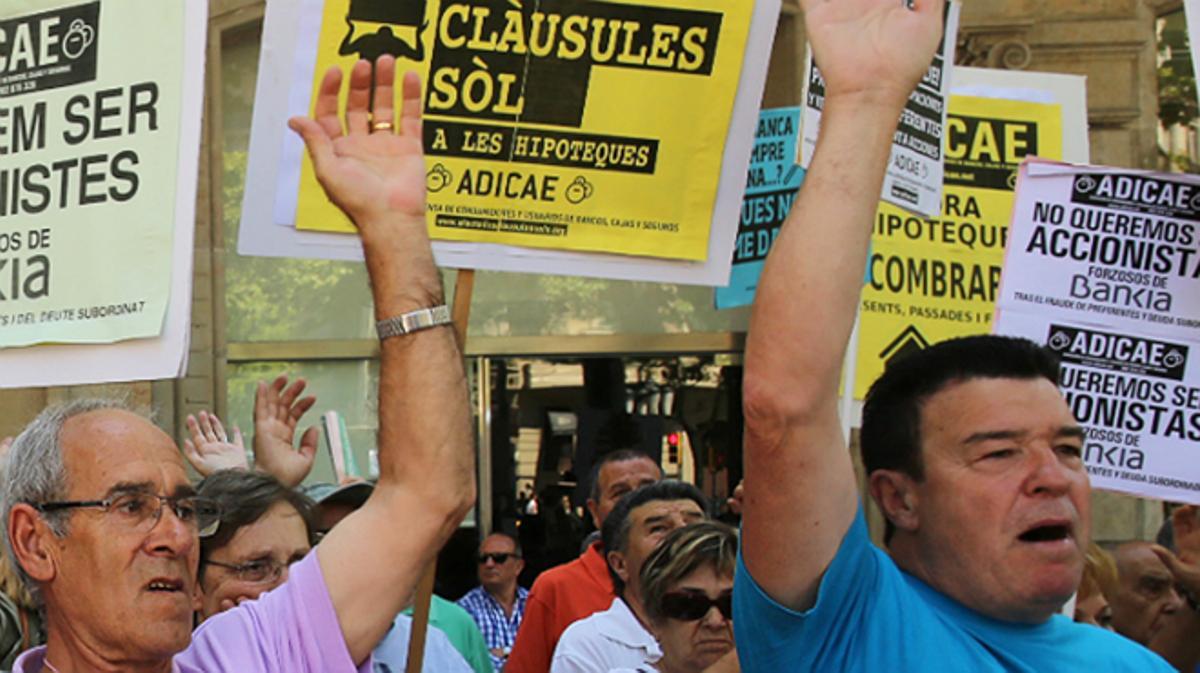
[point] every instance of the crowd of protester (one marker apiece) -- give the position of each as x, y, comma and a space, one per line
117, 561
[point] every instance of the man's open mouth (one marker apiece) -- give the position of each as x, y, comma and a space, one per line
1046, 533
165, 585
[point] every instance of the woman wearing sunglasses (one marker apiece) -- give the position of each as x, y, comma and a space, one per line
687, 588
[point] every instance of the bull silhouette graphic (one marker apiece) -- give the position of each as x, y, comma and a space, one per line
392, 14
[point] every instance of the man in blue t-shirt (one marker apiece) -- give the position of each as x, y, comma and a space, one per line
970, 450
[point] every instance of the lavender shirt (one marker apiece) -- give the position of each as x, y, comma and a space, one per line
292, 628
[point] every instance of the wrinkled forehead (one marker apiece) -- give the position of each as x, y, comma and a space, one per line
633, 470
110, 447
665, 509
1136, 560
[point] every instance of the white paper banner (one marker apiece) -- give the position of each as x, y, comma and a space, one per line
915, 171
1107, 247
1137, 398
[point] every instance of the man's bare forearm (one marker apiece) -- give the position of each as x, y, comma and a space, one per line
425, 440
802, 318
373, 559
812, 279
400, 264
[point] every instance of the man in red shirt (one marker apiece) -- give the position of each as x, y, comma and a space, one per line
575, 590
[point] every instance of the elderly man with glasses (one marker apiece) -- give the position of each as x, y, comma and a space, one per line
100, 516
498, 603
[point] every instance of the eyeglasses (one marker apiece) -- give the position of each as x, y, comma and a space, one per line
497, 557
689, 606
142, 511
259, 571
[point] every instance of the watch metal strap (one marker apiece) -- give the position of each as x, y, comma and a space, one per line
413, 321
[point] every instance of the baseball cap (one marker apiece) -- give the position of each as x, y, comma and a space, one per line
354, 493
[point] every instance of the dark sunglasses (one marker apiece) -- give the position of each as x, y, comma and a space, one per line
688, 607
497, 558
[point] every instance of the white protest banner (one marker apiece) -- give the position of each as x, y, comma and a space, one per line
1109, 247
100, 106
1102, 267
914, 175
1137, 398
289, 41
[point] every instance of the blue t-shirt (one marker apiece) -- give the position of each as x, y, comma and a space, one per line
872, 616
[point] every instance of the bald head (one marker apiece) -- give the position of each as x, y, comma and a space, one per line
1145, 594
123, 581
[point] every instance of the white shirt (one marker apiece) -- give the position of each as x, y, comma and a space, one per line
610, 639
391, 655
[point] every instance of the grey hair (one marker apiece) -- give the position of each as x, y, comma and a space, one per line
34, 471
682, 552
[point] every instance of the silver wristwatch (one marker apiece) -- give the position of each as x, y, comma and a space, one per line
413, 321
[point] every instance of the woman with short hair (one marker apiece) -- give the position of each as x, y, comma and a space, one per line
687, 590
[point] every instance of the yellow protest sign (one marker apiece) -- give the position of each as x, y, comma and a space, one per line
90, 119
596, 126
932, 279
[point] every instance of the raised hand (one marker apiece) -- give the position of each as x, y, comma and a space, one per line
1185, 521
1187, 575
277, 412
209, 448
874, 48
370, 168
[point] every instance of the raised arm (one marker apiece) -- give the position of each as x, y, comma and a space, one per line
209, 449
800, 496
372, 560
278, 409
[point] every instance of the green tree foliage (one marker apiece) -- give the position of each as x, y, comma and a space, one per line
1176, 77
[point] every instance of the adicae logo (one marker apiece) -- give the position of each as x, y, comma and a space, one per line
1059, 341
78, 38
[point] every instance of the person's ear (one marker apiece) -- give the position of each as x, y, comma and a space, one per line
32, 543
616, 561
896, 495
198, 596
592, 506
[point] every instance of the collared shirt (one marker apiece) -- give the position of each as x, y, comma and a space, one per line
464, 635
559, 597
291, 628
606, 640
391, 655
499, 629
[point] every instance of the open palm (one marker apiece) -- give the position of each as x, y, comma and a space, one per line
873, 47
364, 159
278, 409
209, 449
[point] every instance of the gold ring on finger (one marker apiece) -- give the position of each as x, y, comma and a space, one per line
381, 126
